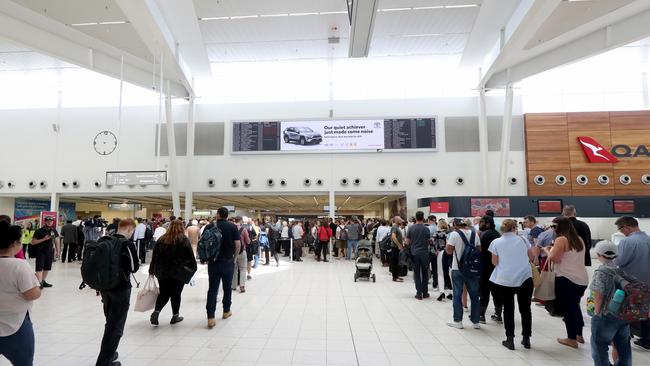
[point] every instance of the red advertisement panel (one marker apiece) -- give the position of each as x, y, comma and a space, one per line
623, 206
549, 206
439, 207
500, 206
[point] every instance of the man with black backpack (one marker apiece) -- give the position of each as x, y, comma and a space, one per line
217, 247
107, 267
465, 271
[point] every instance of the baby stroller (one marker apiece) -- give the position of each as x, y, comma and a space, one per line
363, 262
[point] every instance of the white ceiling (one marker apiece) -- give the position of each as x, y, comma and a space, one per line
17, 58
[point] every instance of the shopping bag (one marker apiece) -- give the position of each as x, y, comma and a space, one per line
546, 289
146, 299
537, 278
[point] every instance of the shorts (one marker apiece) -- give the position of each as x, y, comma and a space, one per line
44, 257
342, 244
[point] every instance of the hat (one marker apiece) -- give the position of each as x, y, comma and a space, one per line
48, 218
607, 249
459, 222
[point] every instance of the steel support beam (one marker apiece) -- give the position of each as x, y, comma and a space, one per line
506, 132
171, 148
361, 27
189, 192
52, 38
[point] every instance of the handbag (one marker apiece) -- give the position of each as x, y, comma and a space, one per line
537, 278
146, 299
546, 289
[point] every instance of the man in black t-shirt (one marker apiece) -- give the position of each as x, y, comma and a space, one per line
488, 234
42, 250
222, 269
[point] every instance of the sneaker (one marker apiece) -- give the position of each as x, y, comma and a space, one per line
249, 277
212, 322
476, 325
641, 345
419, 297
441, 297
154, 318
242, 290
45, 284
116, 363
497, 318
176, 319
526, 342
457, 325
426, 296
482, 319
450, 297
466, 309
568, 342
227, 314
115, 357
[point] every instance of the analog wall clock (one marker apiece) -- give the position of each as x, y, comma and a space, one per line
105, 143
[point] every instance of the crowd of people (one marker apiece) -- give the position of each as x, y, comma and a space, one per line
480, 259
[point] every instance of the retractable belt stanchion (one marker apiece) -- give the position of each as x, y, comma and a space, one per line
291, 250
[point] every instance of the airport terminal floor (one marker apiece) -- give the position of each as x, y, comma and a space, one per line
307, 313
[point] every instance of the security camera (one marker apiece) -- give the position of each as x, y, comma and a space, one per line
11, 184
283, 182
319, 182
65, 184
75, 184
43, 184
560, 180
433, 181
582, 180
211, 182
357, 181
32, 184
234, 183
382, 181
395, 181
306, 182
420, 181
625, 179
460, 181
247, 182
270, 182
344, 181
512, 181
603, 180
645, 179
539, 180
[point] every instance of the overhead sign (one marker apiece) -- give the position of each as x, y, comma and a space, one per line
131, 178
125, 206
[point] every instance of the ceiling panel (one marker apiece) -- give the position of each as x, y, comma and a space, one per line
28, 60
433, 45
269, 51
122, 36
422, 3
214, 8
425, 21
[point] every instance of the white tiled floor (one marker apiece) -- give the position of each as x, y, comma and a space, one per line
300, 314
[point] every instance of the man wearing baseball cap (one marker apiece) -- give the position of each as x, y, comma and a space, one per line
42, 249
606, 328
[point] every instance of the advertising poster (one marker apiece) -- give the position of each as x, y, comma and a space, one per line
500, 206
332, 135
30, 210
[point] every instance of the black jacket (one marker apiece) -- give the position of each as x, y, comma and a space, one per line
168, 261
487, 237
130, 264
585, 234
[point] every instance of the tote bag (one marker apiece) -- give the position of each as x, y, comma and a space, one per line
546, 289
146, 299
537, 278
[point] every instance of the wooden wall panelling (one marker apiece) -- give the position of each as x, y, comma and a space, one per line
547, 148
592, 188
550, 188
635, 188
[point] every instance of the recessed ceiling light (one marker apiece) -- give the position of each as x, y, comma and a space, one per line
83, 24
429, 7
273, 15
333, 12
244, 16
215, 18
301, 14
115, 22
461, 6
394, 9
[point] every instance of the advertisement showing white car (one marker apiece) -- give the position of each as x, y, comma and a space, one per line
332, 135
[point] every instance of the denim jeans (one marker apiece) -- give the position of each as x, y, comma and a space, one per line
605, 330
471, 282
116, 308
352, 247
421, 273
18, 348
219, 271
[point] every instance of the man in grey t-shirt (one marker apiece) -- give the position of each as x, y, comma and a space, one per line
417, 239
354, 231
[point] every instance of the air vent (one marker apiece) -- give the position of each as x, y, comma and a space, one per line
582, 180
625, 179
560, 180
395, 181
512, 181
645, 179
32, 184
97, 184
283, 182
460, 181
420, 181
76, 184
270, 182
247, 182
357, 181
381, 181
603, 180
433, 181
539, 180
234, 183
344, 181
65, 184
319, 182
43, 184
211, 182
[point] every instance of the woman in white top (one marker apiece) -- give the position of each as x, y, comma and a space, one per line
382, 231
512, 275
571, 280
18, 289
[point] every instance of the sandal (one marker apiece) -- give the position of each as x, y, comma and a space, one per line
398, 280
568, 342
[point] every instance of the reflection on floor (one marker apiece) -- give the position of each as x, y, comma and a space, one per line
297, 314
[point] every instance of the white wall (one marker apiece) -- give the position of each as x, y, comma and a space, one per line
42, 154
7, 206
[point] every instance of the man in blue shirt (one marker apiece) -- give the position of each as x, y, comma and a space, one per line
633, 258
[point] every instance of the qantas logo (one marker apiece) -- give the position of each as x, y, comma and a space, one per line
596, 153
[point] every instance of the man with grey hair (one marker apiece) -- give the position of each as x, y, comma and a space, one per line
581, 228
397, 239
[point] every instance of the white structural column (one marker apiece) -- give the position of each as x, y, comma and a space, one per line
483, 140
171, 149
332, 206
54, 203
189, 193
505, 140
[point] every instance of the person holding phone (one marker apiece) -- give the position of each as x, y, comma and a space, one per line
45, 240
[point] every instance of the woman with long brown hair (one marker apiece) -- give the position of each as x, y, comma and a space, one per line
174, 264
571, 280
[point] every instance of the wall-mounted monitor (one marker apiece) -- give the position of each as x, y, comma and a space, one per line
549, 207
624, 207
353, 135
131, 178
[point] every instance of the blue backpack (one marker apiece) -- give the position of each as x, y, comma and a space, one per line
210, 244
469, 263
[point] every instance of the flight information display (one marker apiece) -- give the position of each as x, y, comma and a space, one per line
335, 135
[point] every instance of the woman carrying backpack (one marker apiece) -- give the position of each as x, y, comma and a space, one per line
173, 263
571, 279
324, 235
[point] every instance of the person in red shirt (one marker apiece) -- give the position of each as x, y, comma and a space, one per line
324, 235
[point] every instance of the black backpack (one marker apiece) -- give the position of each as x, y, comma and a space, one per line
210, 244
101, 268
387, 242
273, 232
469, 263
